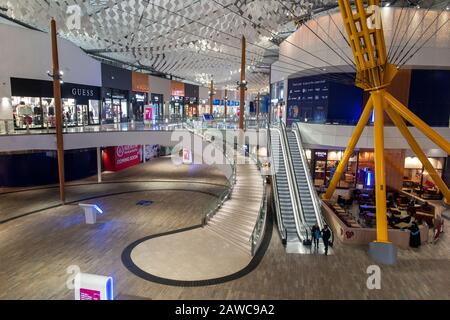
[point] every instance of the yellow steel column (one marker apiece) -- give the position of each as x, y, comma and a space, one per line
380, 178
417, 122
400, 124
350, 148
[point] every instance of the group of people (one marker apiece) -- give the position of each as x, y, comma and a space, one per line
325, 234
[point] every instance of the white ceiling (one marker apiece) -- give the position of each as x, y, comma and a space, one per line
188, 39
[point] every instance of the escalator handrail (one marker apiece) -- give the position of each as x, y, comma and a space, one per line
316, 200
297, 211
281, 227
302, 216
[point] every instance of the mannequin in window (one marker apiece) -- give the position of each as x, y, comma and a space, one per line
51, 110
24, 113
37, 111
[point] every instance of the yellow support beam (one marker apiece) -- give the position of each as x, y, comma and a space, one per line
380, 178
400, 124
365, 116
417, 122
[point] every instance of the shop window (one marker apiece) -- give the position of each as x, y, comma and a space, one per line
415, 172
27, 112
69, 114
365, 167
94, 112
348, 177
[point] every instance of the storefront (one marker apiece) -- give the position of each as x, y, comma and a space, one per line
360, 170
218, 108
203, 107
160, 97
116, 94
115, 106
323, 164
139, 100
177, 102
191, 100
139, 97
416, 177
233, 108
278, 105
34, 105
157, 108
37, 168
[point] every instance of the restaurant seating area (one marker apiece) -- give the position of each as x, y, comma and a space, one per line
359, 210
345, 215
428, 191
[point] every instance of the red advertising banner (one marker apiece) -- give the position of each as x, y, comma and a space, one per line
121, 157
148, 114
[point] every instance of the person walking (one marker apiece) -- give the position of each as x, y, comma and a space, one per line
326, 235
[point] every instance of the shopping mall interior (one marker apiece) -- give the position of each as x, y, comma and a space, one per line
224, 150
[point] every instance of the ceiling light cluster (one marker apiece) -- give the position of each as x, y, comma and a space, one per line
183, 38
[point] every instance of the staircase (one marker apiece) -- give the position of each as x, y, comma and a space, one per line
236, 219
284, 195
302, 184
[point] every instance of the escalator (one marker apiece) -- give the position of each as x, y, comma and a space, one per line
310, 201
296, 201
290, 227
305, 190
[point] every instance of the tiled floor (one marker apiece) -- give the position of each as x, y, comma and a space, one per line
36, 250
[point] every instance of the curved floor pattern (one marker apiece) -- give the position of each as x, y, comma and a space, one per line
133, 258
51, 205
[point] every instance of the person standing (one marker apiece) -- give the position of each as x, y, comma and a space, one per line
315, 234
326, 235
414, 239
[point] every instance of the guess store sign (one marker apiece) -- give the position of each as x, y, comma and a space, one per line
121, 157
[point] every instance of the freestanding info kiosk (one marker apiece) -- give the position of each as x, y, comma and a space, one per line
93, 287
90, 212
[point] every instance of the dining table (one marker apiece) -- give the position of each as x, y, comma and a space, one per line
403, 225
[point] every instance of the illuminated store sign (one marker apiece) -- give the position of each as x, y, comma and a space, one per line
82, 92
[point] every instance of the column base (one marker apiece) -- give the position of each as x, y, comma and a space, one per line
446, 202
382, 252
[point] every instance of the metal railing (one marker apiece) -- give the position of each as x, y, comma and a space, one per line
317, 202
163, 123
259, 230
281, 228
6, 126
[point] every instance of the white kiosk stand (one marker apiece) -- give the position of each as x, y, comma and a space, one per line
93, 287
90, 212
